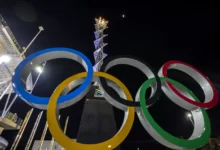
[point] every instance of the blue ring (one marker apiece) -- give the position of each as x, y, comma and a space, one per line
22, 93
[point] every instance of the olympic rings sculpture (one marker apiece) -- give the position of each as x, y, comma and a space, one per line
159, 82
24, 68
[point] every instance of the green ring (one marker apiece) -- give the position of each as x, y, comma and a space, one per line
195, 143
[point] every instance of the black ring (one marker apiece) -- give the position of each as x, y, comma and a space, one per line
112, 61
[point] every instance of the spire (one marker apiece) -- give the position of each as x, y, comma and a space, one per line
99, 55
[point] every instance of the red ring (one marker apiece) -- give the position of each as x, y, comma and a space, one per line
209, 104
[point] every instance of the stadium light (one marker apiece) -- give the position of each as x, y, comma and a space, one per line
39, 69
5, 59
189, 115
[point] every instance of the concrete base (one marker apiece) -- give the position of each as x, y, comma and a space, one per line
97, 122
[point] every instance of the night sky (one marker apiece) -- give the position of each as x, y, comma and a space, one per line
154, 32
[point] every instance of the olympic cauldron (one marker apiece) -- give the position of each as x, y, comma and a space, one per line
159, 82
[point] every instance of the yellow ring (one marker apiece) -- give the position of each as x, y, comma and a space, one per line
68, 143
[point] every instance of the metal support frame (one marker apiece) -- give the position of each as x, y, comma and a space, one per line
9, 95
28, 145
7, 34
3, 94
22, 129
15, 97
3, 82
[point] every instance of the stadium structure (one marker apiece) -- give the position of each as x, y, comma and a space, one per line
11, 54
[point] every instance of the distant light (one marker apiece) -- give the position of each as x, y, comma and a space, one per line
39, 69
189, 115
5, 59
123, 15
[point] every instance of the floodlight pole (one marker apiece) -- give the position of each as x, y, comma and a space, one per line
26, 48
38, 77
